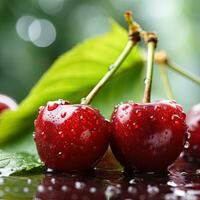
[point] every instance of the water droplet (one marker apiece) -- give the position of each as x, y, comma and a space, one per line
64, 188
171, 183
43, 135
111, 67
138, 113
50, 188
176, 120
152, 117
187, 144
132, 189
146, 81
60, 133
25, 189
112, 191
79, 185
152, 189
92, 190
63, 115
179, 107
40, 109
135, 125
183, 115
188, 135
157, 108
53, 181
40, 188
52, 106
198, 171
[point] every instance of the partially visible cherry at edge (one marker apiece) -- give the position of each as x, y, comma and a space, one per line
193, 121
7, 103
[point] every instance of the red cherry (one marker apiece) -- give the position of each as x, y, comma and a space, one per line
7, 103
193, 122
149, 136
71, 137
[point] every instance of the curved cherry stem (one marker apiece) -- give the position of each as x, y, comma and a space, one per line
134, 38
184, 73
166, 82
162, 58
151, 40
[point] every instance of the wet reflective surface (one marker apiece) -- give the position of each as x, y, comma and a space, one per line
182, 182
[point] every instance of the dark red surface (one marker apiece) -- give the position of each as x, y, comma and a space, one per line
193, 121
148, 137
181, 182
70, 137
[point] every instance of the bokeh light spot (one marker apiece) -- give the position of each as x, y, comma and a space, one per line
42, 32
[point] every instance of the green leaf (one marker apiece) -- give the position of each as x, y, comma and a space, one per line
18, 162
71, 77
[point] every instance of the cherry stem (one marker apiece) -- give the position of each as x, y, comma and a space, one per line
151, 40
166, 82
134, 38
184, 73
162, 58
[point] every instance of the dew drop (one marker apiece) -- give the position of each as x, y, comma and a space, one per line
64, 188
60, 133
52, 106
92, 190
79, 185
43, 135
183, 116
152, 189
198, 171
138, 113
132, 189
152, 117
29, 181
50, 188
40, 109
135, 125
176, 120
112, 191
187, 144
188, 135
157, 108
53, 181
25, 189
40, 188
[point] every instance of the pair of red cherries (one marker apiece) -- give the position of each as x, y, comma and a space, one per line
144, 137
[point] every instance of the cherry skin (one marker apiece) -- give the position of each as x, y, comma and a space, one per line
148, 137
193, 122
7, 103
71, 137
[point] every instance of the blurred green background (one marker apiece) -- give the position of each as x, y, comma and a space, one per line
34, 33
